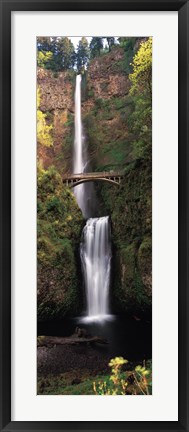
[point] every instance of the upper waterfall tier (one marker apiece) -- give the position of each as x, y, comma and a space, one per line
84, 193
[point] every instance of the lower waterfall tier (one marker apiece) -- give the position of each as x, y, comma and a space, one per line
95, 252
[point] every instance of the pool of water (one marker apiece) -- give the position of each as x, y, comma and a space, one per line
126, 336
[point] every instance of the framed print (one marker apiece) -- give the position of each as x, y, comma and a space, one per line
94, 215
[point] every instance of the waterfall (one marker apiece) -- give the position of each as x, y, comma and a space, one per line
78, 145
95, 248
95, 252
84, 193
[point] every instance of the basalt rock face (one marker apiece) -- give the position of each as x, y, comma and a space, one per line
56, 101
105, 108
57, 90
106, 77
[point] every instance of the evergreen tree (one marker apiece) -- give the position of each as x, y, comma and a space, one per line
96, 45
56, 53
44, 44
111, 42
64, 54
82, 56
128, 44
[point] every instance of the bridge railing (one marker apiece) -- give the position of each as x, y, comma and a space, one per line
92, 175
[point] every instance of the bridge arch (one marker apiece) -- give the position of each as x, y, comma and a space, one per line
113, 178
77, 183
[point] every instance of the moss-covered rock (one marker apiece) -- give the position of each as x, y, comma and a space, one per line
59, 228
129, 290
145, 264
131, 235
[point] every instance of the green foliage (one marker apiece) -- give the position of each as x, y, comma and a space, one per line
141, 77
44, 131
111, 42
141, 124
67, 143
56, 53
64, 54
129, 286
45, 59
57, 205
59, 228
118, 383
128, 44
141, 91
96, 45
45, 43
90, 93
100, 103
82, 56
63, 384
143, 379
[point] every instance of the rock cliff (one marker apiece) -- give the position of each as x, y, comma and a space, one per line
57, 102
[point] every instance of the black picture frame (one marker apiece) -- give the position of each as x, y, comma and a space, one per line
6, 7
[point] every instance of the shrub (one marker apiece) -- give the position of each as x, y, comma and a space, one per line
119, 382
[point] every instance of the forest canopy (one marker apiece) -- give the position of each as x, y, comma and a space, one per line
59, 53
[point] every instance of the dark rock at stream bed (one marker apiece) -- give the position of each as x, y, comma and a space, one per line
63, 358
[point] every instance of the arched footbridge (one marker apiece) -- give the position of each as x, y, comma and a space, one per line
111, 177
